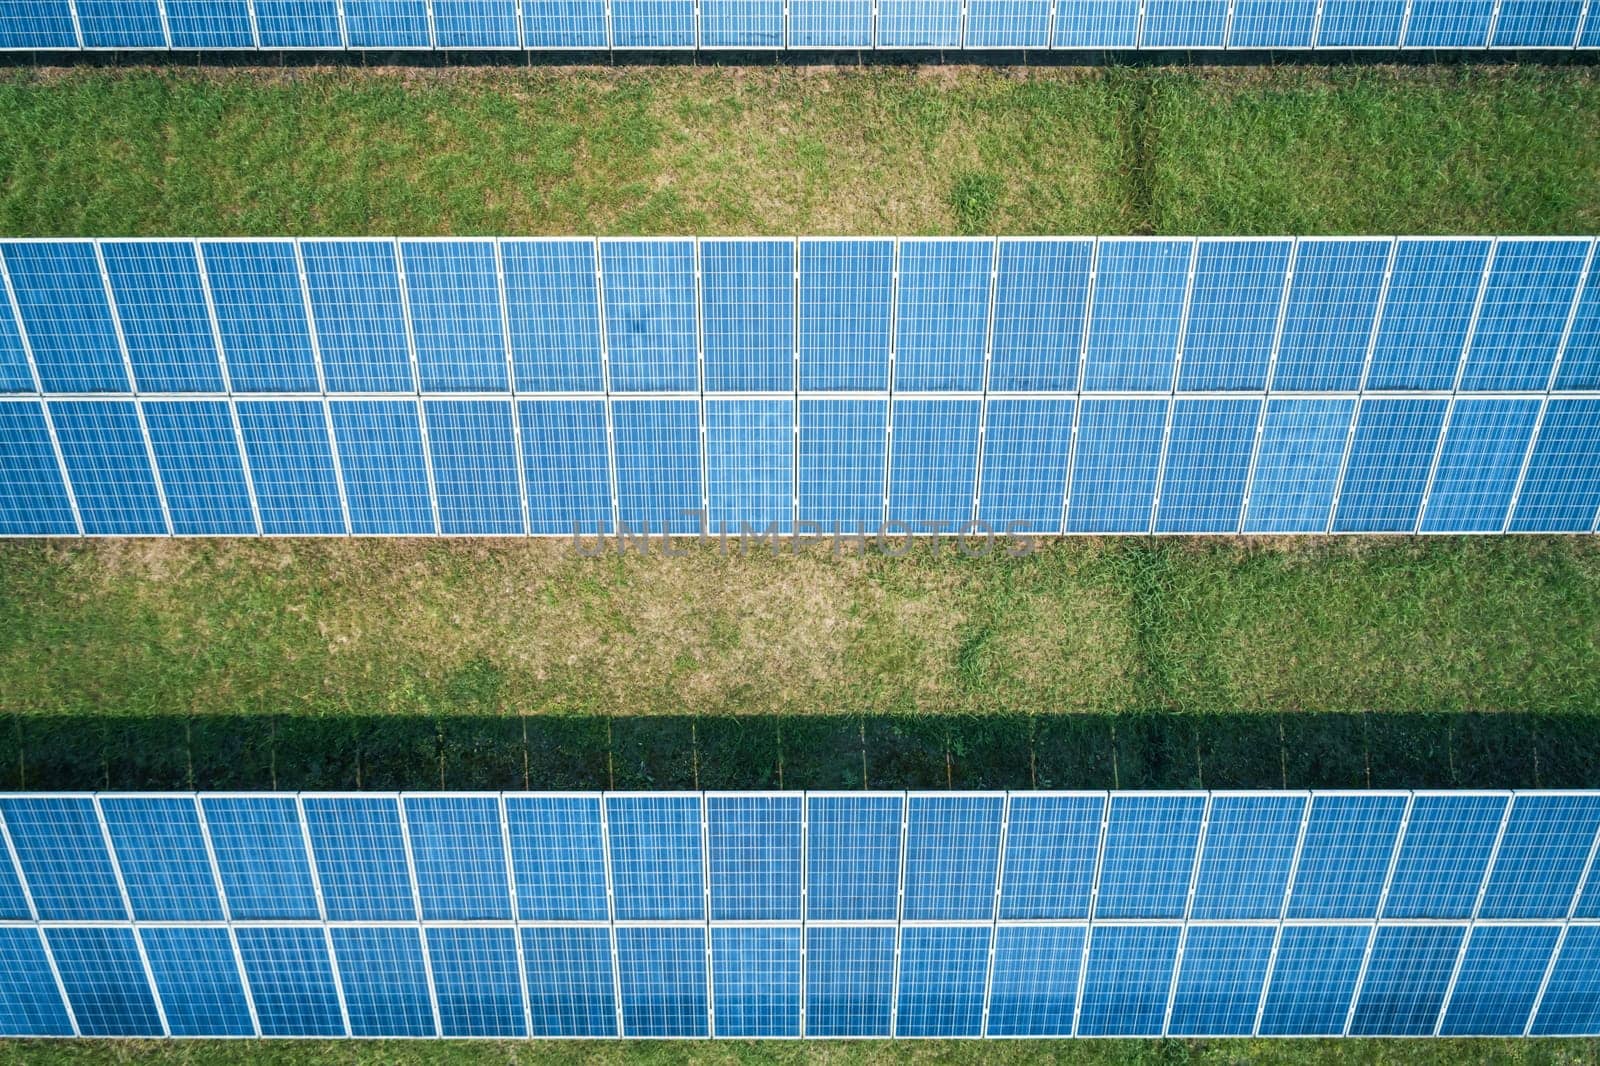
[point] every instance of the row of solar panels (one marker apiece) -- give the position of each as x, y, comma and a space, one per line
1040, 386
784, 915
815, 315
1037, 466
798, 24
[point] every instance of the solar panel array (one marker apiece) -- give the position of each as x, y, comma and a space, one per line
1038, 386
597, 25
800, 914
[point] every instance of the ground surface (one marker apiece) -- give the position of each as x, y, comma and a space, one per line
107, 648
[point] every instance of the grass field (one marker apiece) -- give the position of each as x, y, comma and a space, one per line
105, 645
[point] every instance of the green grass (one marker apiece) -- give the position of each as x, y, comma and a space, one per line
871, 1053
196, 627
800, 150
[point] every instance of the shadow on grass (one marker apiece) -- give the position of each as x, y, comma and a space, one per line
1076, 751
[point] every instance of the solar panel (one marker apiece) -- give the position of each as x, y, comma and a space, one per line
853, 857
1249, 855
1233, 315
1408, 975
842, 462
163, 858
1334, 299
47, 25
1428, 313
260, 850
475, 466
161, 310
952, 856
658, 464
260, 314
1039, 306
1345, 857
400, 24
1571, 1001
287, 445
657, 863
1449, 23
933, 462
1361, 23
1526, 304
1297, 465
291, 981
197, 976
1387, 470
120, 24
459, 856
1007, 24
1034, 989
354, 291
1052, 842
30, 1002
385, 471
1479, 461
1136, 322
850, 980
1185, 24
741, 23
571, 991
1126, 980
61, 303
750, 464
1273, 23
1442, 859
454, 300
830, 23
477, 978
384, 978
663, 977
650, 313
360, 850
1219, 981
1313, 979
1148, 856
1541, 856
756, 981
754, 857
845, 312
552, 312
296, 24
652, 23
943, 971
1114, 473
104, 450
62, 854
1027, 445
1207, 465
748, 313
564, 24
919, 23
1561, 489
475, 24
1097, 24
102, 971
197, 453
558, 857
568, 466
942, 315
221, 24
1498, 980
33, 497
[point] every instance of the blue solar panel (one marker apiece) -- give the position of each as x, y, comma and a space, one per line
1590, 34
1479, 464
475, 24
291, 466
1427, 314
261, 315
943, 315
360, 851
385, 474
474, 454
298, 24
748, 297
1114, 475
650, 313
33, 498
1571, 1003
830, 23
750, 464
952, 856
1027, 445
1208, 465
105, 981
553, 312
1525, 309
30, 1003
1219, 980
1580, 363
387, 24
557, 856
1185, 23
1361, 23
459, 856
103, 447
845, 289
1249, 849
1541, 857
755, 974
1273, 24
657, 869
942, 976
1039, 306
1327, 326
384, 979
1406, 980
455, 312
197, 452
43, 25
658, 464
853, 858
1499, 980
477, 977
1138, 311
1233, 315
1345, 858
1008, 24
564, 24
570, 986
120, 24
567, 466
1443, 856
1561, 492
1097, 24
1297, 466
209, 23
741, 23
652, 24
841, 462
1387, 471
261, 857
1313, 979
355, 302
754, 857
63, 857
1126, 980
62, 303
919, 23
849, 980
165, 324
663, 972
1149, 856
1034, 990
291, 981
162, 855
197, 977
933, 464
1051, 846
1449, 23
